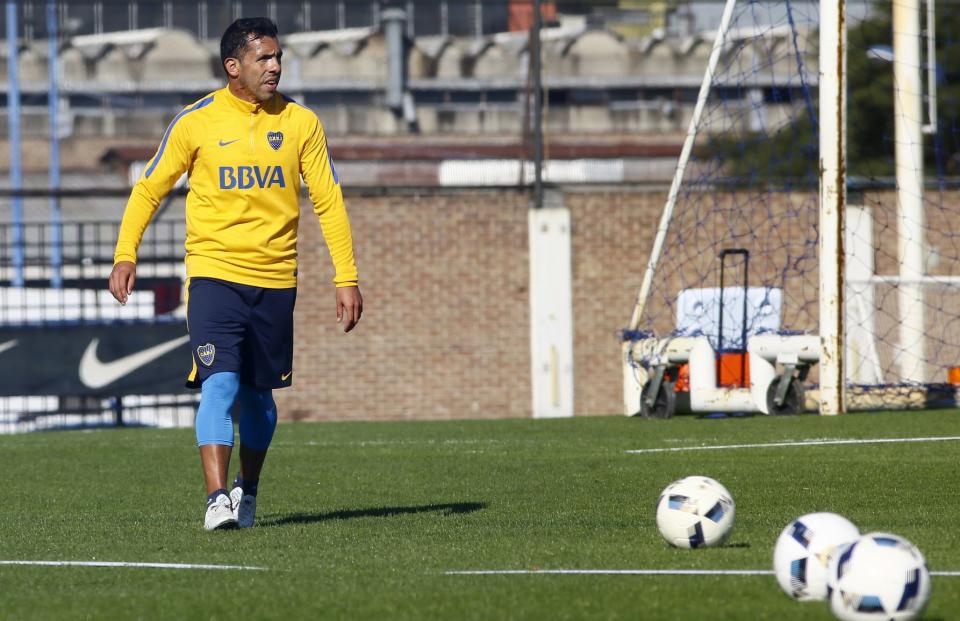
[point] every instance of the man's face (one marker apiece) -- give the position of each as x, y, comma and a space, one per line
259, 69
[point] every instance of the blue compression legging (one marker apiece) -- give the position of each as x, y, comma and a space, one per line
258, 417
258, 412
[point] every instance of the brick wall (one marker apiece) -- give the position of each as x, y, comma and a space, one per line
612, 236
445, 325
444, 274
445, 330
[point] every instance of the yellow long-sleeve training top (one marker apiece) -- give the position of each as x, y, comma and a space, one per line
244, 163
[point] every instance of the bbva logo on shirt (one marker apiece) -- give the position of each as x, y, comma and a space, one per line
246, 177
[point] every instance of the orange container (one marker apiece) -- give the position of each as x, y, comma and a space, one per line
682, 383
733, 370
953, 376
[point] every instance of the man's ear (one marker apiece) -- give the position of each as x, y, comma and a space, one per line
232, 67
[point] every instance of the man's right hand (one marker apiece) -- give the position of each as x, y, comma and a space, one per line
121, 280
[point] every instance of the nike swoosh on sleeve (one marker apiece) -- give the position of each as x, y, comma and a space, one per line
97, 374
8, 345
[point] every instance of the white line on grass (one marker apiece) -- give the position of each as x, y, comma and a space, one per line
816, 442
122, 564
636, 572
631, 572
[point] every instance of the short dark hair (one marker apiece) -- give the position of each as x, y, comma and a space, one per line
237, 36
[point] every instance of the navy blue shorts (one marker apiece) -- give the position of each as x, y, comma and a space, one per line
243, 329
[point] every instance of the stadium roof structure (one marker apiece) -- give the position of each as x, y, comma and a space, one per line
166, 60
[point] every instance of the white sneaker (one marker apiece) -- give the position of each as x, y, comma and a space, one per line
236, 494
244, 507
220, 514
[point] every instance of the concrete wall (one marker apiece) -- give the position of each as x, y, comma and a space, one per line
461, 85
159, 55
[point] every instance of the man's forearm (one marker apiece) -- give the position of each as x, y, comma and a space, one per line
140, 209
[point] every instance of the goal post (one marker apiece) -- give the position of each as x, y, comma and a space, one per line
833, 194
688, 141
846, 221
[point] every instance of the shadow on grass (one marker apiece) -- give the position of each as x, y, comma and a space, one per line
725, 415
346, 514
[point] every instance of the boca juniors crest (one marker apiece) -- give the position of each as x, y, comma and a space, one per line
206, 353
275, 139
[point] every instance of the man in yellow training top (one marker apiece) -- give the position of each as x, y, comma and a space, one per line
245, 148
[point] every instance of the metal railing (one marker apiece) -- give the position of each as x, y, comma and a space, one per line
56, 341
79, 256
207, 18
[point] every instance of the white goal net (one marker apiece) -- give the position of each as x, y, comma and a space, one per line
737, 255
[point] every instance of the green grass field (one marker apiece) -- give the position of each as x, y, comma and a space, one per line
362, 520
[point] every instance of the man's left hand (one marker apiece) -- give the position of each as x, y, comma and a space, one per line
349, 306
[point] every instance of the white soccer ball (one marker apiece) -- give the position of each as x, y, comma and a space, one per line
695, 512
879, 576
803, 552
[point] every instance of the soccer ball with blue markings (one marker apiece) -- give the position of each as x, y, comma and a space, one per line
695, 512
879, 576
804, 550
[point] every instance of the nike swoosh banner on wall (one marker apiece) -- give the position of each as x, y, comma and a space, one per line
116, 359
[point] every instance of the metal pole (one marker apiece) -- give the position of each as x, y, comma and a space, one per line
202, 20
908, 122
931, 126
411, 19
478, 19
692, 129
833, 194
393, 25
53, 104
132, 19
16, 172
537, 108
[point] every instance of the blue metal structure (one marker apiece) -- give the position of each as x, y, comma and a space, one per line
16, 170
56, 240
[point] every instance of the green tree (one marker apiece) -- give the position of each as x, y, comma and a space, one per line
871, 93
791, 151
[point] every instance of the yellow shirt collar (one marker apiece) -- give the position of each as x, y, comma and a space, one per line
245, 106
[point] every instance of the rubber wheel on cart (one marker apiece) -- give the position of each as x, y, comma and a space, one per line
792, 401
664, 402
